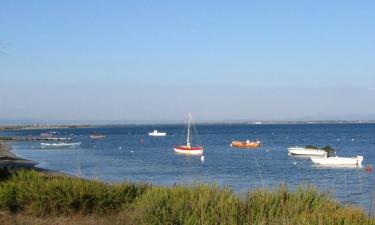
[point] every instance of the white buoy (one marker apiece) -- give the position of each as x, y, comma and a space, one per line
202, 158
131, 151
294, 163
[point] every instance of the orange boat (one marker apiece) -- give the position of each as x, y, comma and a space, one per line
246, 144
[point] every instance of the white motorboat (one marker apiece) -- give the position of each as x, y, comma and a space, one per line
60, 144
341, 161
306, 151
156, 133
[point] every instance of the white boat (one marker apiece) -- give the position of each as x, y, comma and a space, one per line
96, 136
306, 151
156, 133
341, 161
60, 144
188, 149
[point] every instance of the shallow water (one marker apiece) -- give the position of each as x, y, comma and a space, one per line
121, 156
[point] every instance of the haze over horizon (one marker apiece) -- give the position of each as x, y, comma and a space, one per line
157, 61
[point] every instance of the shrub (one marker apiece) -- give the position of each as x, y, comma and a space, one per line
57, 195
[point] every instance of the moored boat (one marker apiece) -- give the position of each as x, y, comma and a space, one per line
46, 134
188, 149
60, 144
97, 136
245, 144
306, 151
350, 161
156, 133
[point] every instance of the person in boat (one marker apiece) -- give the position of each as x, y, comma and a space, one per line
247, 141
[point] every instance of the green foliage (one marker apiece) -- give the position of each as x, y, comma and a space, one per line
304, 206
199, 204
63, 195
41, 195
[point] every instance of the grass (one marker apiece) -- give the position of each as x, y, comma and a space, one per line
58, 195
28, 197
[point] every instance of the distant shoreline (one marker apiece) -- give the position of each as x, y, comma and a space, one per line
43, 127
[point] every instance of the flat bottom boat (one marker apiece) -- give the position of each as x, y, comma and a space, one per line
60, 145
350, 161
246, 144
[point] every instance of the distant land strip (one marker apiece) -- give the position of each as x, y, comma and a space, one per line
35, 127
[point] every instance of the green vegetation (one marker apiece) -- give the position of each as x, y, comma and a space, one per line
44, 199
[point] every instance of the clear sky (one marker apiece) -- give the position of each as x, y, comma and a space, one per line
157, 60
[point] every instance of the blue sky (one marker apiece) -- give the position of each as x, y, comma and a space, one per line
157, 60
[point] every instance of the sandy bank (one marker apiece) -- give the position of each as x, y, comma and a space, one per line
10, 160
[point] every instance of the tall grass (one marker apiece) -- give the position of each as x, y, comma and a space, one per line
41, 195
200, 204
38, 196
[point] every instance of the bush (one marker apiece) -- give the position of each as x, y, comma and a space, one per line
57, 195
199, 204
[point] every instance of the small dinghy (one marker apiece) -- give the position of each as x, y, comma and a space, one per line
340, 161
246, 144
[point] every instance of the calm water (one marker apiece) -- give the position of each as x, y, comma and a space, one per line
121, 156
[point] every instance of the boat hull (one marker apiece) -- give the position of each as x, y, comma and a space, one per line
59, 145
157, 134
306, 151
189, 151
240, 144
338, 161
93, 136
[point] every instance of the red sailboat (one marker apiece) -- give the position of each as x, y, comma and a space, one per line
188, 149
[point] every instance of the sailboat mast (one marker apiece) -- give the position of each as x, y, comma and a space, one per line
188, 132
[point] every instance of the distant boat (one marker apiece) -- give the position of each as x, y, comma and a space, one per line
60, 144
357, 161
155, 133
97, 136
245, 144
306, 151
49, 134
46, 134
188, 149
